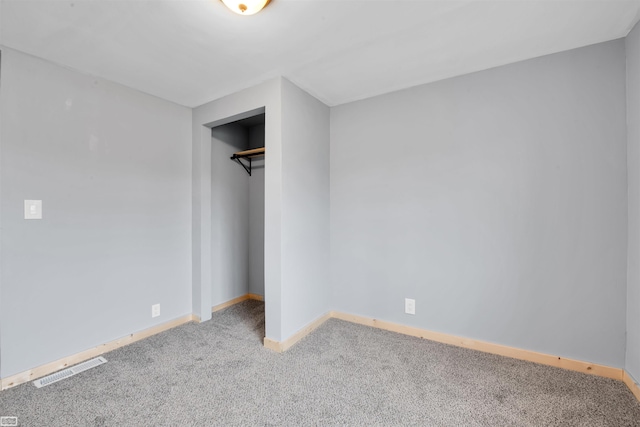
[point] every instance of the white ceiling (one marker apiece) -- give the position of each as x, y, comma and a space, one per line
195, 51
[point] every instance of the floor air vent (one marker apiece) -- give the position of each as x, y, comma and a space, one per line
69, 372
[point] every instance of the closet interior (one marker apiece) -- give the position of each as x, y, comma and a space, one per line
237, 198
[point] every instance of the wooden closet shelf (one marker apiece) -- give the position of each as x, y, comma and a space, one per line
250, 153
247, 154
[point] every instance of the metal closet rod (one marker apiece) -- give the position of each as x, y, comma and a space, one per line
247, 154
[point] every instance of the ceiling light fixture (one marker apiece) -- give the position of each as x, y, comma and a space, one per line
246, 7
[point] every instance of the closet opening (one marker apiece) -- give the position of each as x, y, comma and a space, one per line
237, 226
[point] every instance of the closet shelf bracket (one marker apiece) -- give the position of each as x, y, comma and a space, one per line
247, 155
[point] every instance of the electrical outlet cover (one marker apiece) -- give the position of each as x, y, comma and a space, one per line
409, 306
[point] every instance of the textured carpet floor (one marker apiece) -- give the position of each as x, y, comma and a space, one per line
218, 373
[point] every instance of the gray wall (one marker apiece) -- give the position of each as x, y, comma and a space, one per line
305, 209
230, 202
633, 164
497, 200
112, 167
266, 98
0, 203
256, 215
296, 191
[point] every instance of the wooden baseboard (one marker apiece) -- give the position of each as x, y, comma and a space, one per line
255, 297
516, 353
74, 359
282, 346
229, 303
236, 301
272, 345
633, 386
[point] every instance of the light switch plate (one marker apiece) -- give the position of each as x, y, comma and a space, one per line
33, 209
